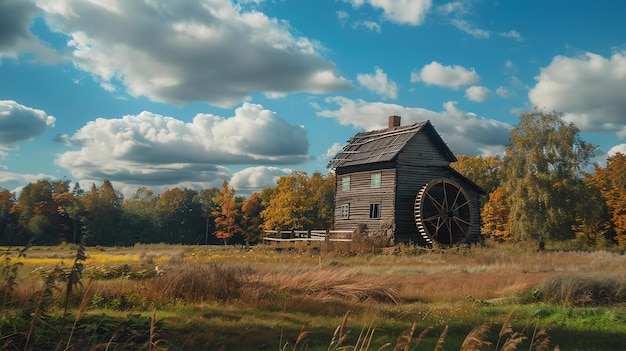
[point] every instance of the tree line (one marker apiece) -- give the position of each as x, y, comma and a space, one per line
538, 191
541, 190
49, 212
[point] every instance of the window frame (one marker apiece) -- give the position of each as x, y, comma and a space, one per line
376, 180
345, 211
345, 183
375, 211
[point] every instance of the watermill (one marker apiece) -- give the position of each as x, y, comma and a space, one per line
443, 213
399, 182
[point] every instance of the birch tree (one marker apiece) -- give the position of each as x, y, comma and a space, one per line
543, 164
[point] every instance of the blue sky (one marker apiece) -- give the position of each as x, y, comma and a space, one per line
188, 93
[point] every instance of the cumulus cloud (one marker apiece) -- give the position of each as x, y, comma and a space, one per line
254, 179
14, 182
379, 83
410, 12
477, 93
621, 148
465, 133
188, 50
157, 150
21, 123
448, 76
333, 150
15, 35
589, 89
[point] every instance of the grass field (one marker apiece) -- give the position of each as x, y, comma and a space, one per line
315, 297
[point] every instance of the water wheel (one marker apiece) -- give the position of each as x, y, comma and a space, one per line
443, 213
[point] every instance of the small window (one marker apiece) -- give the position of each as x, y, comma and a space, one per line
345, 211
375, 180
374, 211
345, 183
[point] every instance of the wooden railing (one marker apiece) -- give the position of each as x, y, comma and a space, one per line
307, 235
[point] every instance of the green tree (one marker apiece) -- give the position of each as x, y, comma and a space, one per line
208, 206
71, 207
8, 220
543, 183
102, 216
180, 215
321, 192
140, 218
37, 212
611, 181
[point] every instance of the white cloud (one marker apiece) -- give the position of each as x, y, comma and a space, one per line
21, 123
511, 34
589, 89
464, 132
254, 179
411, 12
468, 28
154, 150
451, 7
504, 92
477, 93
448, 76
343, 17
188, 50
333, 150
379, 83
14, 182
371, 25
621, 148
15, 35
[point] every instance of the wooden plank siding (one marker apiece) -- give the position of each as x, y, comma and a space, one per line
407, 162
361, 195
421, 151
410, 181
419, 162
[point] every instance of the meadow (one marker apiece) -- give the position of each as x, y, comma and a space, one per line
320, 296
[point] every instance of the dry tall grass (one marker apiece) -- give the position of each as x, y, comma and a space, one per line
432, 286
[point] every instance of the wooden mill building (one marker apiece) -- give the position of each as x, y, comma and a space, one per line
398, 182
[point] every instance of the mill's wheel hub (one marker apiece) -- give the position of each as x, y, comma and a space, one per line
443, 213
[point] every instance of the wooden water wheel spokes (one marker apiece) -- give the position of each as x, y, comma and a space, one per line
443, 212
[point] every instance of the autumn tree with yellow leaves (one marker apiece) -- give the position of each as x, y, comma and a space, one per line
611, 181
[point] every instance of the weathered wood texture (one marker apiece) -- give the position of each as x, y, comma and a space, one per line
361, 196
409, 157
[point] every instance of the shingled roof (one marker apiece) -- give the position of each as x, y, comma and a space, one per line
385, 144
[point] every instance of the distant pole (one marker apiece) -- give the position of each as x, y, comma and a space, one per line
206, 232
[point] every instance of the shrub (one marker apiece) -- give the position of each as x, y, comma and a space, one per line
597, 289
199, 282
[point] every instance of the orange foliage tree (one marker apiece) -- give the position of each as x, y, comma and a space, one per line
495, 215
226, 214
612, 184
251, 221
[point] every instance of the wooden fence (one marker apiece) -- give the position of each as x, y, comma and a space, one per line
307, 235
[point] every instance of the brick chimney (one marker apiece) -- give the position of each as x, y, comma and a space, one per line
394, 121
